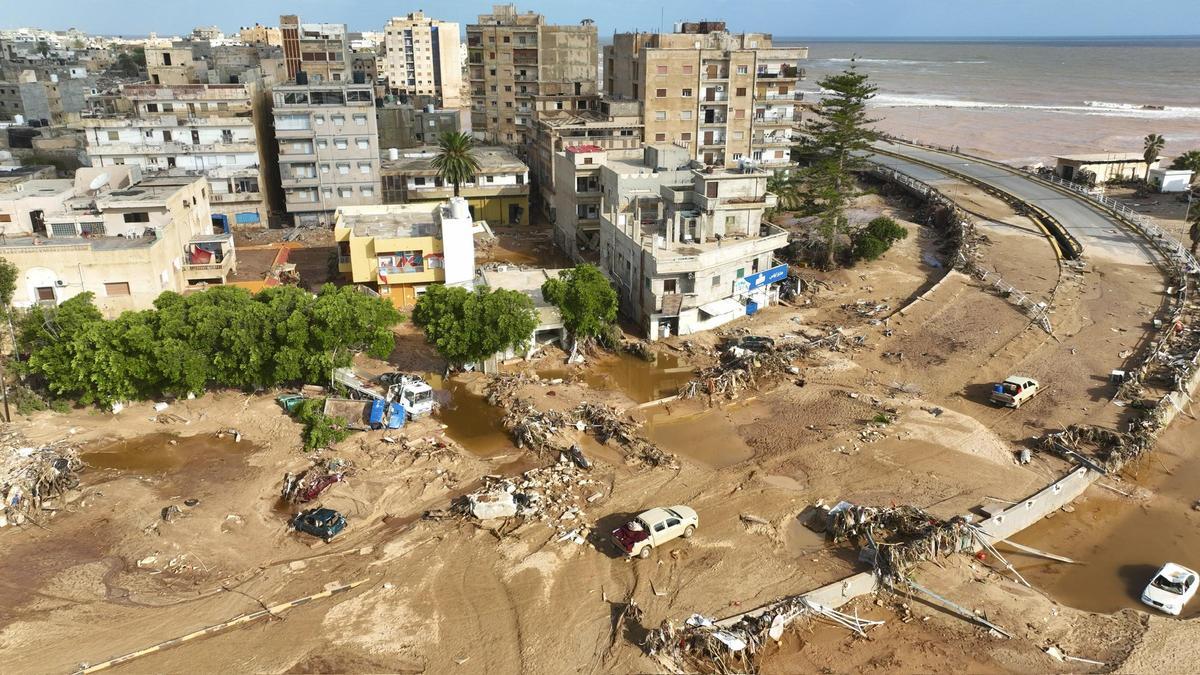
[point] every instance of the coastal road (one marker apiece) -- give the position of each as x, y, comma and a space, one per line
1100, 234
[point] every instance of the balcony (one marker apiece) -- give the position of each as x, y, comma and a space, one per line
776, 96
714, 96
711, 140
714, 75
778, 120
778, 138
209, 257
234, 197
784, 72
717, 120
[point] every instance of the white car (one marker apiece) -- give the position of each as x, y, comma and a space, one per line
1171, 588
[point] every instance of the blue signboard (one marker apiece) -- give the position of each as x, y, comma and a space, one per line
777, 273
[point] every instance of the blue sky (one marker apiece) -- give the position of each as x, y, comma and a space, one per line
808, 18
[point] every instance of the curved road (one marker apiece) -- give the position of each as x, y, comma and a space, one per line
1098, 232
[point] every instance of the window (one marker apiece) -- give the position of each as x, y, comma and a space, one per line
5, 218
291, 122
743, 70
716, 282
322, 144
340, 143
660, 93
345, 193
686, 93
741, 91
685, 115
116, 288
419, 181
685, 136
363, 143
166, 136
324, 168
113, 135
661, 70
137, 217
660, 137
338, 119
739, 114
688, 70
318, 119
343, 169
364, 168
661, 115
151, 107
368, 192
587, 160
360, 120
166, 59
711, 189
45, 293
739, 135
729, 222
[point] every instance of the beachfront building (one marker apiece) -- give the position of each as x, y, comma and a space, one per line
317, 53
498, 194
727, 97
687, 249
400, 249
328, 149
126, 243
1103, 167
422, 57
605, 123
513, 58
214, 130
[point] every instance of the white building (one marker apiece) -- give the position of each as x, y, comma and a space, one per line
1170, 180
422, 57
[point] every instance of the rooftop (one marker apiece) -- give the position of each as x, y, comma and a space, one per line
528, 282
419, 161
38, 187
93, 243
397, 221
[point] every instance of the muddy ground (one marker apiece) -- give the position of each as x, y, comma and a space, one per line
464, 596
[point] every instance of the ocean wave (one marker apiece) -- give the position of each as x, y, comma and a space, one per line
1095, 108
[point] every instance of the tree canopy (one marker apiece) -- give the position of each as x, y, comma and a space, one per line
456, 162
1188, 160
8, 283
877, 237
222, 337
1152, 146
834, 142
586, 300
469, 326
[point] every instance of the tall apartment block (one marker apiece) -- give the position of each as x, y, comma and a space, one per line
727, 98
422, 57
319, 50
513, 59
328, 149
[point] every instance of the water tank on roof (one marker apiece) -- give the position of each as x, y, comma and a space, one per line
393, 153
459, 209
429, 107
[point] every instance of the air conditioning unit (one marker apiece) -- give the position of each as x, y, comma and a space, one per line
691, 275
60, 283
720, 87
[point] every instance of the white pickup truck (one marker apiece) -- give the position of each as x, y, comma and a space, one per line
653, 528
1014, 391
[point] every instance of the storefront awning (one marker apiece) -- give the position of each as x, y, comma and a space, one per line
722, 307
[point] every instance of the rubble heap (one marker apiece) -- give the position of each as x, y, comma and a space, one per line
30, 475
741, 369
606, 423
898, 538
304, 487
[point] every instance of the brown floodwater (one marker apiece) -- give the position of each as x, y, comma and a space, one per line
709, 437
642, 381
162, 453
1121, 544
470, 420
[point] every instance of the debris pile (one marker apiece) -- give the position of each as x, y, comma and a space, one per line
556, 495
741, 369
897, 538
304, 487
702, 645
31, 475
606, 423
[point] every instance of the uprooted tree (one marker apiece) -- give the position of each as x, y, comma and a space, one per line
223, 337
586, 300
835, 142
470, 326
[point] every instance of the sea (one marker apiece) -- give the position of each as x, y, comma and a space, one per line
1026, 100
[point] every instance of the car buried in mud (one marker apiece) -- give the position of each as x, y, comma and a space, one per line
1171, 588
653, 528
323, 523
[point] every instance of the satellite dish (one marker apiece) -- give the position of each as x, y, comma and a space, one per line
98, 182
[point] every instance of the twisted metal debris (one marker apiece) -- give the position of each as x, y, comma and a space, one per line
741, 369
31, 475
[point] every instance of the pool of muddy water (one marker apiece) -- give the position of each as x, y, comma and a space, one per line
640, 380
709, 437
162, 453
1121, 544
470, 420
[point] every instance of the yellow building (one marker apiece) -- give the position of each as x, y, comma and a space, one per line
499, 194
400, 249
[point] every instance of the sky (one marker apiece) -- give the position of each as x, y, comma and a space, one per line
800, 18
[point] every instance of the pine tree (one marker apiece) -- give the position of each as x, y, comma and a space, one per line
836, 140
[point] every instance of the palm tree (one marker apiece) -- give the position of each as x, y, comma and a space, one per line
1194, 232
1153, 145
456, 163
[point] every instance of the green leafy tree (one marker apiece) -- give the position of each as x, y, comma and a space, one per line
835, 140
470, 326
320, 431
8, 282
877, 237
1152, 146
586, 300
1188, 160
456, 162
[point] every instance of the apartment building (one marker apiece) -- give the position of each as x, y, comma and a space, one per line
499, 193
422, 57
126, 242
52, 96
260, 34
220, 131
201, 62
401, 249
328, 149
687, 249
319, 50
604, 123
514, 58
727, 97
406, 126
175, 64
